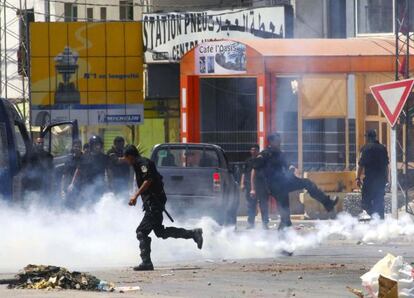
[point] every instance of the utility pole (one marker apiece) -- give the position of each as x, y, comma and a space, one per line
47, 11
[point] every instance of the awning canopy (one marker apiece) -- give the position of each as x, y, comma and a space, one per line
294, 56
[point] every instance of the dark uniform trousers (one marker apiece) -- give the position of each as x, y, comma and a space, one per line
262, 197
291, 183
152, 221
373, 192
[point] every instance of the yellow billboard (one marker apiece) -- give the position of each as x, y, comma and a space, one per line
92, 72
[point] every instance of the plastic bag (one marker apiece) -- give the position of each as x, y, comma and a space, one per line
393, 268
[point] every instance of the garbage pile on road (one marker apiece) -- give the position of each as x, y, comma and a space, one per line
53, 277
391, 277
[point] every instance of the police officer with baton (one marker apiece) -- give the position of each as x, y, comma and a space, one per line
151, 190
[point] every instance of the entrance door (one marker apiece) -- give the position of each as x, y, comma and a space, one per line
228, 112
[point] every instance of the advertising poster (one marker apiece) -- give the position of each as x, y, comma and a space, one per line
92, 72
220, 58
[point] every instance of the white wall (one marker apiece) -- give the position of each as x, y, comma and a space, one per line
112, 9
9, 44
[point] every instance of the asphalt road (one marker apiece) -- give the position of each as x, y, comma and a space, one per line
322, 271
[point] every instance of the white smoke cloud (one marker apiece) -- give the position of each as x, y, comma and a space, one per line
103, 235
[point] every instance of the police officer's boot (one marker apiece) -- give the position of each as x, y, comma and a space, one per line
198, 237
331, 203
145, 247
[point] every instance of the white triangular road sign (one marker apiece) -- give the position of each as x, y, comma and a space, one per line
391, 97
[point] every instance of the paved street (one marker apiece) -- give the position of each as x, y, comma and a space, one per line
322, 271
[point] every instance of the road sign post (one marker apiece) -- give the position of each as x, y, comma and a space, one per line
391, 97
394, 173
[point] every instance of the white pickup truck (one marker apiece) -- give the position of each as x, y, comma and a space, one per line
198, 181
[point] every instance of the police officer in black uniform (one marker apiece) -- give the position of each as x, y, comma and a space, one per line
69, 169
373, 162
118, 171
281, 180
261, 195
151, 190
92, 170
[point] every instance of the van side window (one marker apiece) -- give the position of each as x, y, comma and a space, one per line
3, 147
20, 144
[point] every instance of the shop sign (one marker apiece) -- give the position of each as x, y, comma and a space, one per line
168, 36
220, 58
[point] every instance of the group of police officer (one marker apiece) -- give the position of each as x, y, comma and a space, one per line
268, 174
89, 174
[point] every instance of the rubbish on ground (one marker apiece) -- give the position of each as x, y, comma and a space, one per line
53, 277
356, 292
104, 286
127, 289
389, 268
388, 288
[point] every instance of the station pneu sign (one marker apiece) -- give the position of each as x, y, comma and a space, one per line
91, 72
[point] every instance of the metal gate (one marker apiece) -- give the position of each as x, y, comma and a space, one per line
228, 109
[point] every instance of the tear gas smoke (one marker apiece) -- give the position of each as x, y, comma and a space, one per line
103, 235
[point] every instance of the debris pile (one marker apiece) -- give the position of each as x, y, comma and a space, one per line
53, 277
390, 277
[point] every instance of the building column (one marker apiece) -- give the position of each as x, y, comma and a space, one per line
262, 102
189, 109
183, 110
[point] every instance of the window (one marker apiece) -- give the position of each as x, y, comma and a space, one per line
375, 16
3, 148
89, 13
59, 139
324, 146
20, 144
178, 157
126, 10
71, 12
103, 13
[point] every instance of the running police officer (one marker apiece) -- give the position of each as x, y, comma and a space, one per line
261, 193
151, 190
281, 180
373, 162
118, 171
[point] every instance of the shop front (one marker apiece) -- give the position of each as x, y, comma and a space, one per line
315, 93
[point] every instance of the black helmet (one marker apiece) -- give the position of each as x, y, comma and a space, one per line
95, 140
371, 134
119, 139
